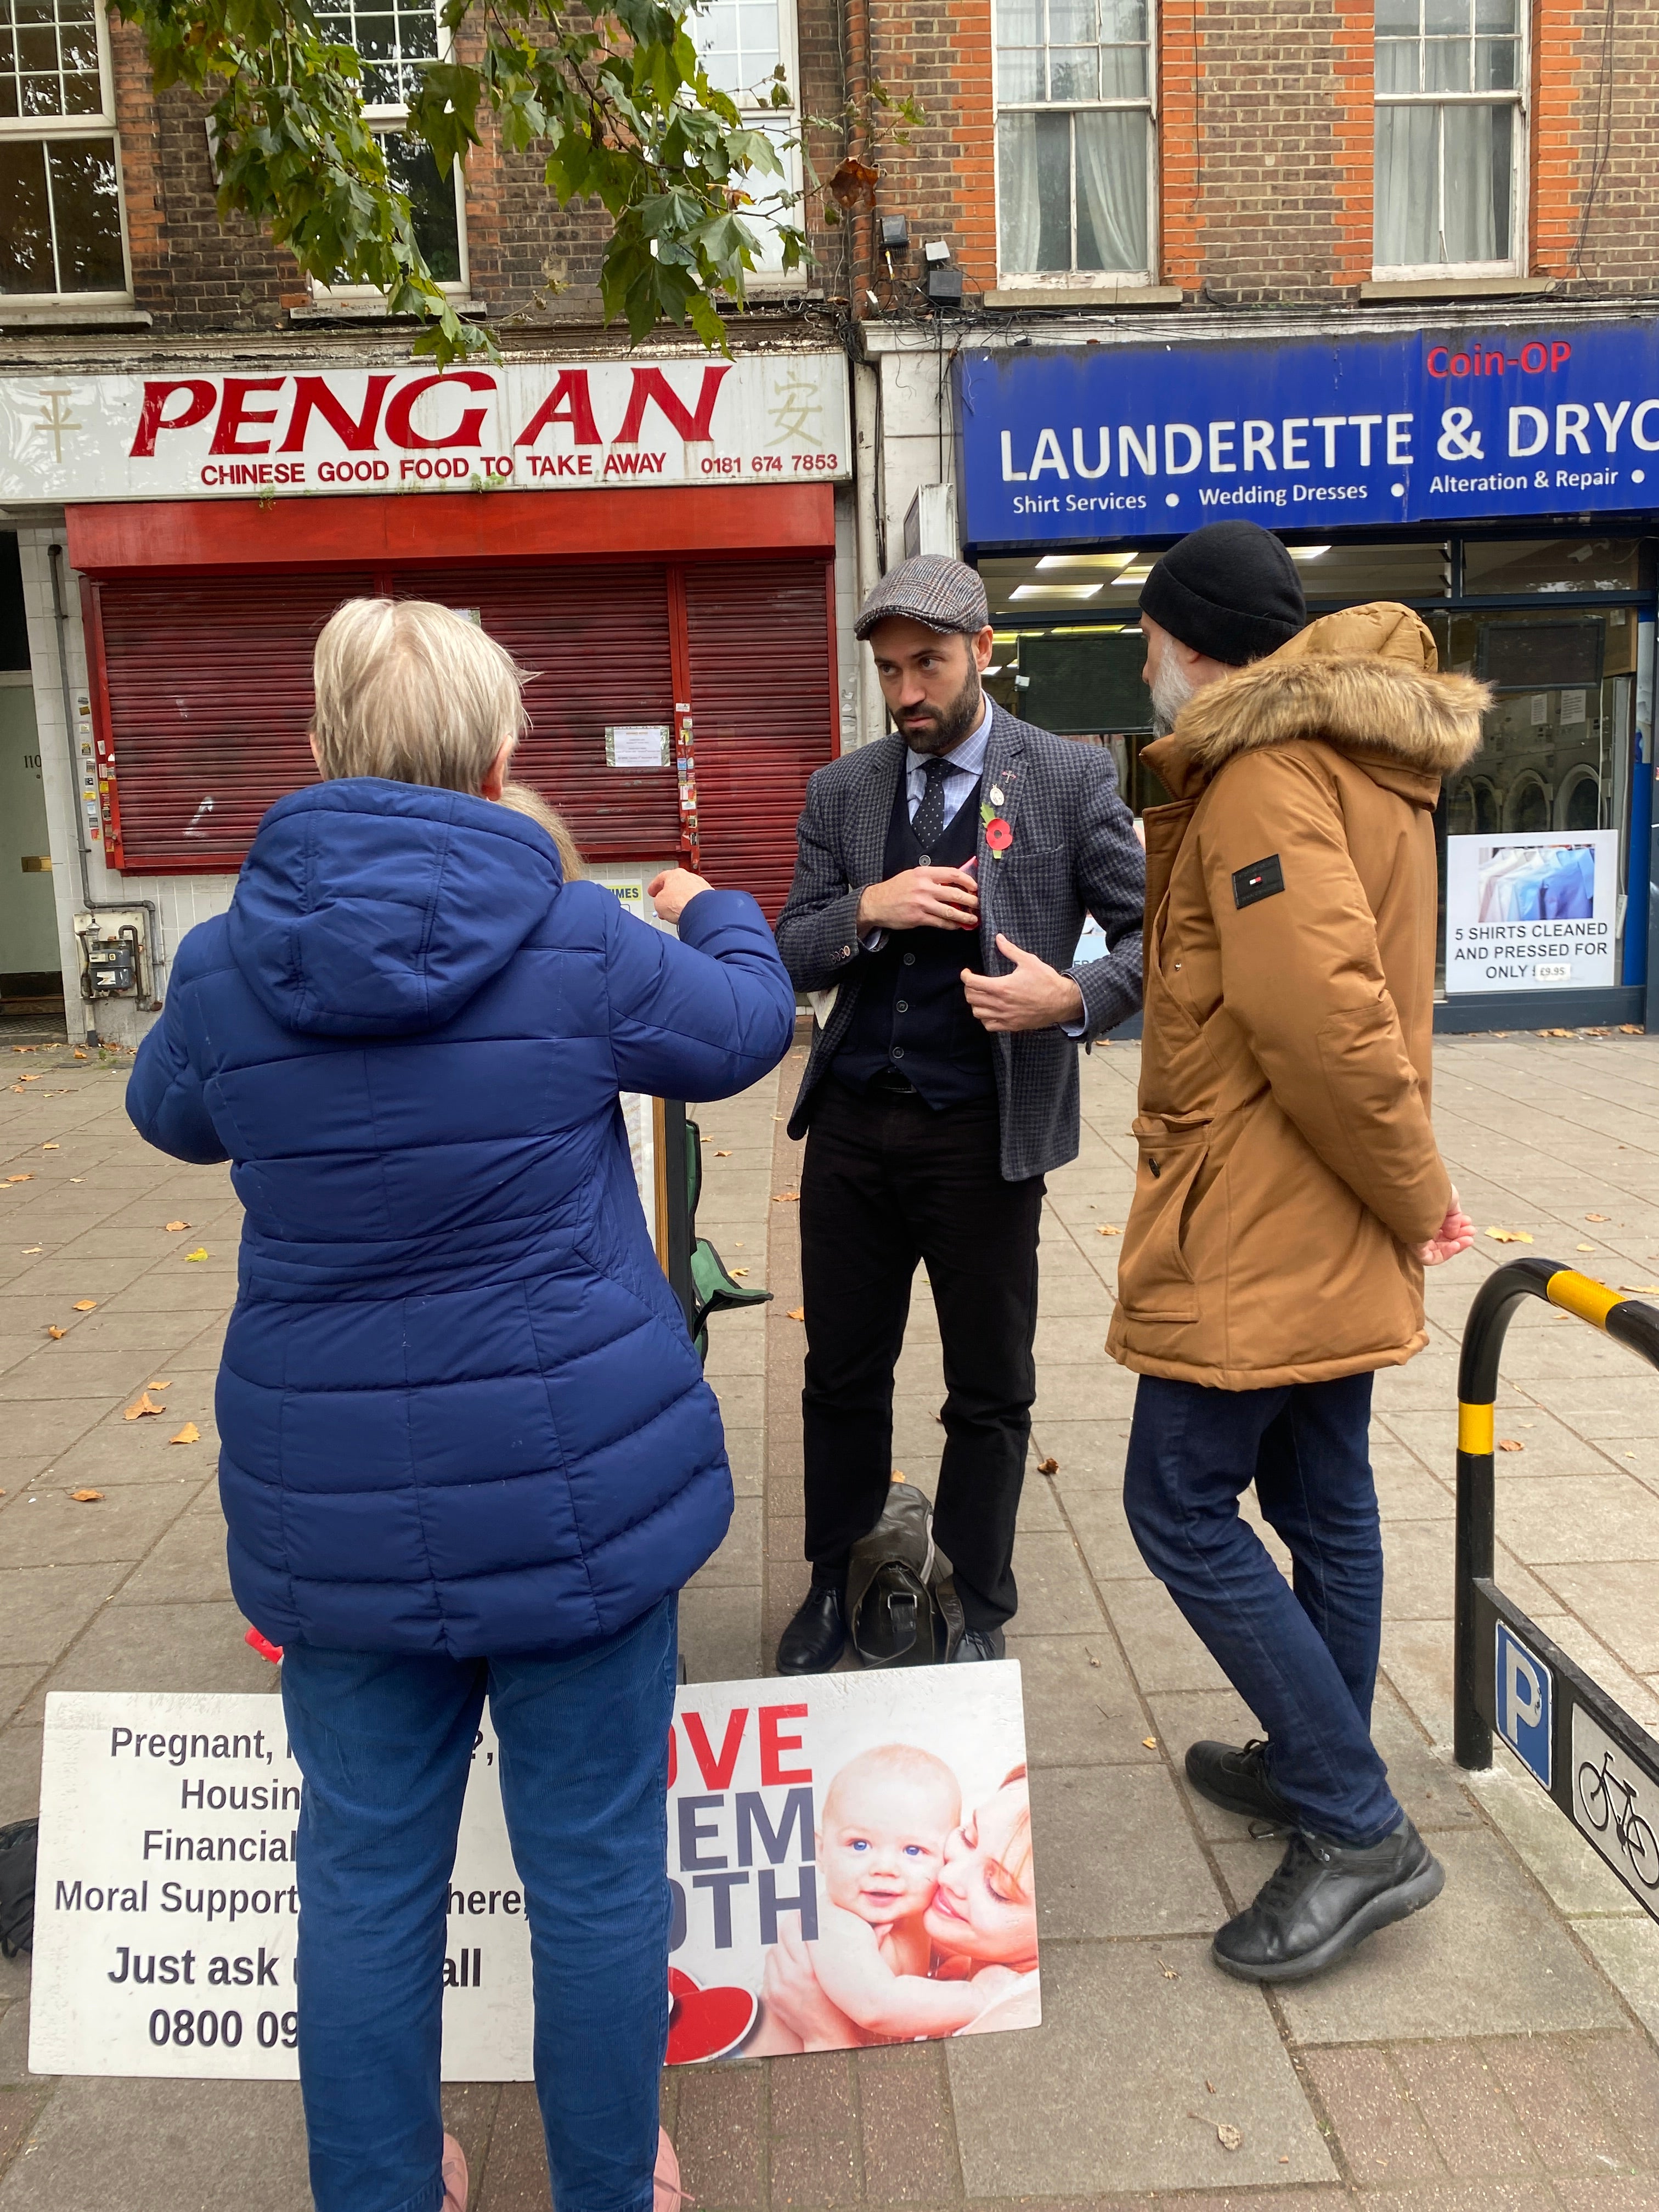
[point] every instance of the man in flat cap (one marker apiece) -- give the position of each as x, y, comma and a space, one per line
942, 879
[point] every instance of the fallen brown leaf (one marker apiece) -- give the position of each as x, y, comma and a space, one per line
200, 1253
144, 1405
1047, 1466
1510, 1443
1631, 1029
722, 1155
1108, 1229
153, 1385
1641, 1289
29, 1078
1170, 1975
85, 1305
1228, 2136
53, 1147
738, 1272
1151, 1742
79, 1054
20, 1178
178, 1224
1092, 1659
29, 1248
797, 1313
190, 1434
785, 1197
1583, 1248
88, 1496
1509, 1236
1595, 1216
1567, 1033
54, 1331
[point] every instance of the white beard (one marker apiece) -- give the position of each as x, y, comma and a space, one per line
1171, 689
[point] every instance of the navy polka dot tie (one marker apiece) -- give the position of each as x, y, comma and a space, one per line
928, 821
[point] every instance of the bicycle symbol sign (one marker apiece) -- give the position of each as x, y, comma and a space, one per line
1616, 1805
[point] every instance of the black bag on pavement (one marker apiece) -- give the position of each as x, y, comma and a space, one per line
903, 1609
17, 1886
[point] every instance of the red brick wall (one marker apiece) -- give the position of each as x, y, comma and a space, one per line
1595, 146
528, 259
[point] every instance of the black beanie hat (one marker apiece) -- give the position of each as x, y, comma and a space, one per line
1230, 591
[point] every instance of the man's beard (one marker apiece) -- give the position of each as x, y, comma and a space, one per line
946, 726
1171, 689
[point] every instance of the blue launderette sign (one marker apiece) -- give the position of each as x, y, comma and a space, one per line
1318, 434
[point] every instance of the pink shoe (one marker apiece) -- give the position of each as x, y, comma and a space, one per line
454, 2172
669, 2195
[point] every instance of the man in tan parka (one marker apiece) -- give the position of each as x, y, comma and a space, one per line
1289, 1192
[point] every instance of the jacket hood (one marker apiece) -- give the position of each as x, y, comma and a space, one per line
1365, 681
372, 908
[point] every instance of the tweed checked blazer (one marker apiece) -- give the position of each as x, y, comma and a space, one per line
1074, 852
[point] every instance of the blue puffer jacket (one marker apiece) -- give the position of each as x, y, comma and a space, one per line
459, 1409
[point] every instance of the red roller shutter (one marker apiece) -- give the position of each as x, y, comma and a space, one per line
596, 638
203, 686
763, 698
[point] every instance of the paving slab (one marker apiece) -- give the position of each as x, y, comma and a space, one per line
1079, 2107
1489, 1957
1119, 1855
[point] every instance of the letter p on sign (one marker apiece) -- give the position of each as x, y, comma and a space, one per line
1525, 1720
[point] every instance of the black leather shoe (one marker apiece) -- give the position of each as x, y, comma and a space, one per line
1325, 1899
816, 1636
1238, 1781
980, 1644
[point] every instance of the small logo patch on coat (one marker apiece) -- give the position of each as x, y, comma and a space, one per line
1261, 879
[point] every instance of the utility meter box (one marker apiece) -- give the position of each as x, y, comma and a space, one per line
114, 955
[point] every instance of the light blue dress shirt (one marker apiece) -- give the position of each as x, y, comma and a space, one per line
962, 769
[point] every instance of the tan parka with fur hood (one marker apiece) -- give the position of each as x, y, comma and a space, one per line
1287, 1164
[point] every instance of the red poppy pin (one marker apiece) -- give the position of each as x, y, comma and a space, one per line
998, 836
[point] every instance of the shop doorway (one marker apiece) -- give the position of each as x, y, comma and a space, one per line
31, 980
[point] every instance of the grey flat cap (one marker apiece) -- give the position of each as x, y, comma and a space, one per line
940, 594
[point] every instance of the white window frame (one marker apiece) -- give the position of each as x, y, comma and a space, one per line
1517, 101
387, 119
1077, 280
38, 130
784, 121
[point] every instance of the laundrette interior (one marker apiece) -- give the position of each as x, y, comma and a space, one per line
1553, 622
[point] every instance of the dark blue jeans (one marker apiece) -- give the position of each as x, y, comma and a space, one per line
384, 1744
1304, 1658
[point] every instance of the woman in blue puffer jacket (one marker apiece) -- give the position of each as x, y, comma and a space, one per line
466, 1444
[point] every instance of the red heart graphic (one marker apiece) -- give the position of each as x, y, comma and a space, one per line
706, 2023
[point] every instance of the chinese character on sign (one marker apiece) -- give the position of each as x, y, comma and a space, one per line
796, 409
55, 419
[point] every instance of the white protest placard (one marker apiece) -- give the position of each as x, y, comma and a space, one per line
1529, 910
882, 1815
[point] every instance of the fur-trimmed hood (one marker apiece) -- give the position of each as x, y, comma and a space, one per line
1365, 681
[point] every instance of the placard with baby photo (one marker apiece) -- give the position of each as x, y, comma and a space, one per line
850, 1862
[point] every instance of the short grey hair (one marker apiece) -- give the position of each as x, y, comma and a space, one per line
414, 692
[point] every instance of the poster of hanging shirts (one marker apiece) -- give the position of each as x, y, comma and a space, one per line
1527, 910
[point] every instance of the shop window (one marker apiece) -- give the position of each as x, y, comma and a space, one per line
748, 47
1347, 575
395, 38
1450, 136
61, 230
1498, 566
1074, 140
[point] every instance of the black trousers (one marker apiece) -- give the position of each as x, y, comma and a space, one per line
888, 1181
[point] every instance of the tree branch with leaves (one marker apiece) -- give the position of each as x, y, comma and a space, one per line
617, 105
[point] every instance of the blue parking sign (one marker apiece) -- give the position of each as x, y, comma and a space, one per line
1524, 1701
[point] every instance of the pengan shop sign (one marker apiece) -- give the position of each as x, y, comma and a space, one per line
775, 418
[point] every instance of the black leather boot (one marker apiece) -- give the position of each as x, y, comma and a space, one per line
1325, 1899
816, 1636
1236, 1780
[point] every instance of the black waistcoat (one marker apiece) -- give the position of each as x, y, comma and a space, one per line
912, 1017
